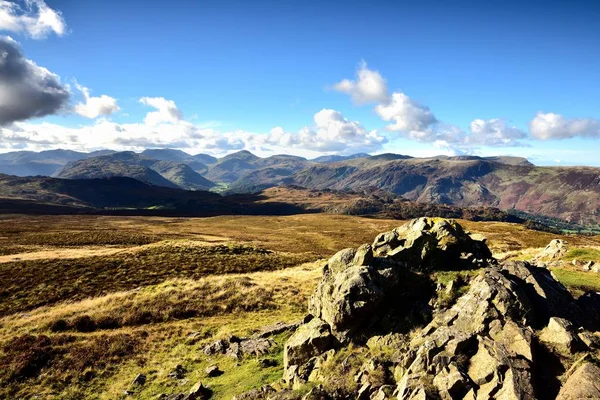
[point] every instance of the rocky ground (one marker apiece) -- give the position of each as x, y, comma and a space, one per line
377, 328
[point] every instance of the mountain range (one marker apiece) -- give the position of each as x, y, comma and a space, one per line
508, 183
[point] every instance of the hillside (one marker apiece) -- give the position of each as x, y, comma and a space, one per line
137, 166
244, 172
506, 183
569, 193
29, 163
109, 167
181, 175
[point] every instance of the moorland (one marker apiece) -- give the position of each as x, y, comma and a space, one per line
90, 302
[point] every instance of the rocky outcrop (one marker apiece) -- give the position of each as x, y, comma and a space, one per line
239, 347
553, 251
511, 328
482, 345
357, 283
429, 243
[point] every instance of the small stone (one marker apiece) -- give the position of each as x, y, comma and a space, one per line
267, 362
140, 380
178, 372
213, 371
199, 391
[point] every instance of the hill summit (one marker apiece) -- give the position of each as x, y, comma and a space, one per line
508, 332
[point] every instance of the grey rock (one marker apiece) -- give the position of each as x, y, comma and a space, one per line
212, 371
584, 383
554, 250
308, 341
178, 373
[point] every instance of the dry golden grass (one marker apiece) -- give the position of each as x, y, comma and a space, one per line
95, 321
105, 361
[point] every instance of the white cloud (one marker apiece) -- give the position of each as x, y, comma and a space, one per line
546, 126
331, 132
417, 122
369, 86
494, 132
167, 111
35, 19
405, 114
93, 107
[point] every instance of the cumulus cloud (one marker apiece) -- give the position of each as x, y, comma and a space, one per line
35, 19
166, 110
416, 121
546, 126
369, 86
495, 132
93, 107
26, 89
331, 132
405, 114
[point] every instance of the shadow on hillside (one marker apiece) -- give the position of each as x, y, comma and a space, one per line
168, 207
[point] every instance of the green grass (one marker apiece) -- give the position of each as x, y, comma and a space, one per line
578, 280
445, 277
583, 254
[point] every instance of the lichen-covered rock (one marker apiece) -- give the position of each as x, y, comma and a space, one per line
430, 243
356, 283
309, 340
584, 383
487, 327
346, 299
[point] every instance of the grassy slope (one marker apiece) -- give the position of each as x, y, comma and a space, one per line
167, 283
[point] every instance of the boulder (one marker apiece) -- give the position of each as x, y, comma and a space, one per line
356, 283
553, 251
212, 371
588, 266
561, 334
347, 299
178, 373
589, 303
584, 383
431, 243
310, 340
199, 392
139, 380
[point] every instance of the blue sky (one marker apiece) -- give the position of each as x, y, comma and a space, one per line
220, 76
